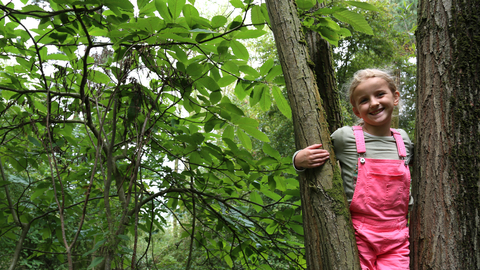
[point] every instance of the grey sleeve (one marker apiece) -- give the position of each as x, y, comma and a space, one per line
293, 163
408, 145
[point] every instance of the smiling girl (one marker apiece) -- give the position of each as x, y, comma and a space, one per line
374, 160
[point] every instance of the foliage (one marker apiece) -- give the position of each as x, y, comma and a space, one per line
325, 20
100, 99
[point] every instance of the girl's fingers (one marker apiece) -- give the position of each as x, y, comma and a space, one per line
314, 146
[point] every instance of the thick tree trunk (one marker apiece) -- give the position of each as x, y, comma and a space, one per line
329, 237
445, 219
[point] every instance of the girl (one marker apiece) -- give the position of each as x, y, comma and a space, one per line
376, 178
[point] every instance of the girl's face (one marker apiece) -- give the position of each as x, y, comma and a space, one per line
373, 101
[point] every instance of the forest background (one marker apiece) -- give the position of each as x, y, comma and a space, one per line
158, 135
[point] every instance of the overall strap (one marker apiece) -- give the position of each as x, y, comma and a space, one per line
359, 139
402, 152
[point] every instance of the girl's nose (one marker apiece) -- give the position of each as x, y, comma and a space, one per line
374, 102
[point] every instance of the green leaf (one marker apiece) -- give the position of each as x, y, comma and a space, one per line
269, 150
175, 7
148, 9
98, 77
257, 17
163, 10
125, 5
274, 72
218, 21
95, 262
281, 183
245, 121
328, 11
253, 73
229, 133
266, 67
231, 67
181, 55
272, 195
305, 4
266, 161
226, 80
297, 228
257, 134
281, 102
330, 35
142, 3
244, 139
247, 34
239, 91
239, 50
191, 14
362, 5
232, 108
39, 106
35, 141
357, 21
215, 96
271, 228
265, 102
257, 199
7, 94
237, 3
265, 13
209, 83
195, 70
228, 260
32, 8
344, 32
328, 22
257, 94
57, 56
245, 166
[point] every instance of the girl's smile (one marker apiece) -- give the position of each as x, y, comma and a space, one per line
374, 102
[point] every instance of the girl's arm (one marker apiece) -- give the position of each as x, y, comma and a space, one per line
310, 157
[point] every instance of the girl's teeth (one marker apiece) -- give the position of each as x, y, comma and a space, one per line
376, 112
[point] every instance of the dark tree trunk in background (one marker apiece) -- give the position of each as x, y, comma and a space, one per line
320, 53
329, 236
445, 219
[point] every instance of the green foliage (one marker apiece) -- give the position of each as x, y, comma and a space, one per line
115, 119
325, 21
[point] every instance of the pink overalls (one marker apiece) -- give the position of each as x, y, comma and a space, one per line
379, 208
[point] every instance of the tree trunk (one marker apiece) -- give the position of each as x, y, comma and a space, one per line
445, 218
329, 236
396, 109
322, 60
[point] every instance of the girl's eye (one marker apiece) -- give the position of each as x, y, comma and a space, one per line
381, 94
363, 101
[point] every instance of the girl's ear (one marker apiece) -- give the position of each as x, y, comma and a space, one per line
355, 111
396, 97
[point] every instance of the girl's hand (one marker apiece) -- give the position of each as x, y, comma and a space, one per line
311, 157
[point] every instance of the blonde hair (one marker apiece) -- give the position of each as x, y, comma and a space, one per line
364, 74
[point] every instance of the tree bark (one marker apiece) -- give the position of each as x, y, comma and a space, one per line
320, 53
445, 219
329, 236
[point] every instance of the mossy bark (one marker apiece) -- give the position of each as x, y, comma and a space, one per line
445, 223
329, 236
